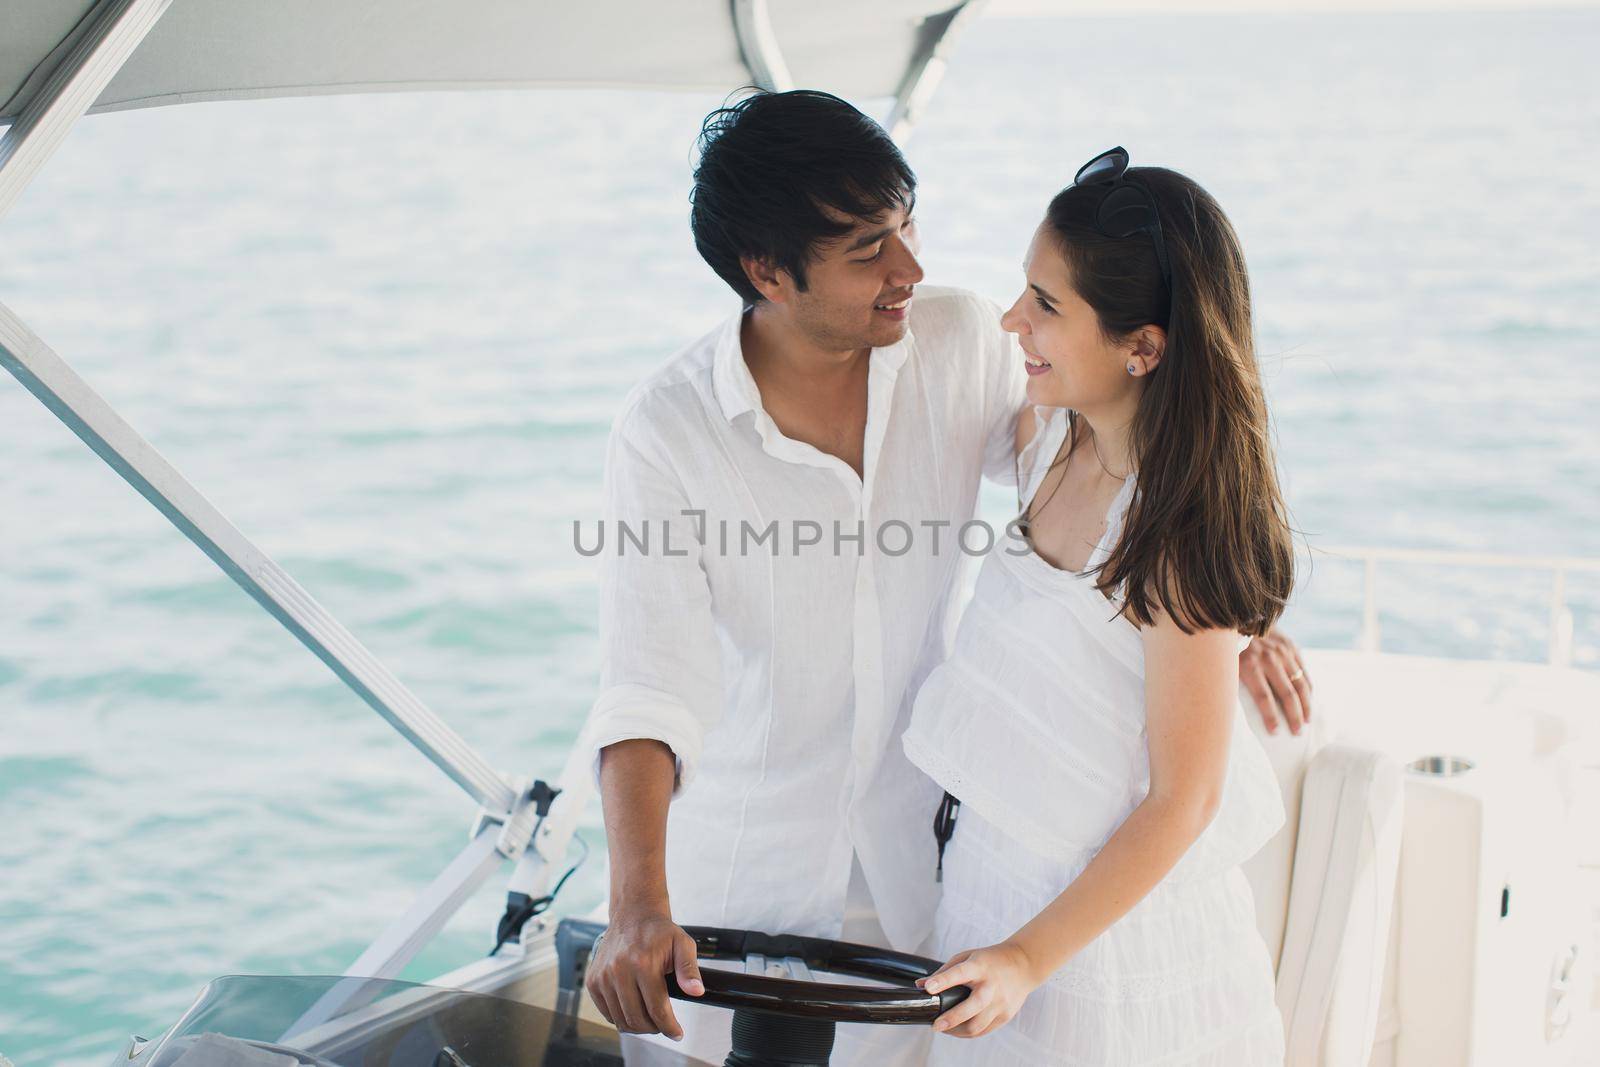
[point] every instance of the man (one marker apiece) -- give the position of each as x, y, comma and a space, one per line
785, 502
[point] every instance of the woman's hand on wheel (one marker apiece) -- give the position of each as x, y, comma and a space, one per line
1000, 977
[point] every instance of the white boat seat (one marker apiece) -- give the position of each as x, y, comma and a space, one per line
1489, 955
1325, 888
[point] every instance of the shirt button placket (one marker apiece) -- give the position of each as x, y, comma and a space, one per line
868, 657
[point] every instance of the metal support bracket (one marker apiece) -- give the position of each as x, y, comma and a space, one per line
534, 872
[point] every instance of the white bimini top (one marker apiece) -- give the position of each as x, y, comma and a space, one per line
1037, 719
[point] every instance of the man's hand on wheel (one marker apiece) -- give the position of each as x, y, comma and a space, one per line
1271, 669
627, 973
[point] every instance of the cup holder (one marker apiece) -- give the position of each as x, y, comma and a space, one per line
1441, 766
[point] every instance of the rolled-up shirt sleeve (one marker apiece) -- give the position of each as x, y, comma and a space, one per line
1005, 393
660, 671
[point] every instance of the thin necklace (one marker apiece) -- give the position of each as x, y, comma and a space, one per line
1094, 439
1028, 510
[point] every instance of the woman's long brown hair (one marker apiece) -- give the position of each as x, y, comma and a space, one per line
1207, 536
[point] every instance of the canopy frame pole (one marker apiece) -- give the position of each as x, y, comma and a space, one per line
927, 66
71, 89
405, 936
758, 46
69, 397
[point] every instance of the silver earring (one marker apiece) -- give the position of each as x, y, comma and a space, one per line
1130, 368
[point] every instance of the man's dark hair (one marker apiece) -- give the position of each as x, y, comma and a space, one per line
768, 165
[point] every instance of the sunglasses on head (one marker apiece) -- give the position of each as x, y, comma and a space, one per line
1128, 207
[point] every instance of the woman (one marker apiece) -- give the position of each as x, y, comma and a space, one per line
1088, 719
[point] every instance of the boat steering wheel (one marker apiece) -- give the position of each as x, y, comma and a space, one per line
783, 1016
778, 978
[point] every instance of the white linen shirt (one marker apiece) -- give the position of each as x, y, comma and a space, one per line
780, 673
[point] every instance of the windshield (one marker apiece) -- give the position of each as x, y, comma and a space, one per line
271, 1021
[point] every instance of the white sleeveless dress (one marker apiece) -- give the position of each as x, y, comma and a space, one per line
1036, 723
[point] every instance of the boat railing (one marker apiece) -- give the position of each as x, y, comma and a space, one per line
1558, 567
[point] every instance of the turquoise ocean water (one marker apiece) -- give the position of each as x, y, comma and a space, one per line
385, 335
